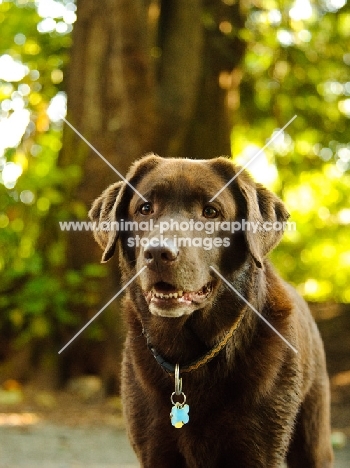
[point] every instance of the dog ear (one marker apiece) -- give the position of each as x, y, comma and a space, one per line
113, 203
101, 213
263, 207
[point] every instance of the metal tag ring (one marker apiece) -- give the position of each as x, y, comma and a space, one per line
178, 380
177, 403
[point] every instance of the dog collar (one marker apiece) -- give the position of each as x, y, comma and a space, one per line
194, 365
179, 414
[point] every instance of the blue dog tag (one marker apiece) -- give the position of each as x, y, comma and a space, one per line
179, 415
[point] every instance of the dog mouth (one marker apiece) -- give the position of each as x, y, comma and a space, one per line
165, 294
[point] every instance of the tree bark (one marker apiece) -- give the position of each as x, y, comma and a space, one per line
181, 40
197, 52
110, 102
209, 134
109, 87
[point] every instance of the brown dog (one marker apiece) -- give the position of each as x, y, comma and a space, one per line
199, 308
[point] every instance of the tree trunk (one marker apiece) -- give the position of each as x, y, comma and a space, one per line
144, 75
181, 41
209, 134
198, 76
110, 102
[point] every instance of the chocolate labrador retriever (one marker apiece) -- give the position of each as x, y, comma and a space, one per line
223, 365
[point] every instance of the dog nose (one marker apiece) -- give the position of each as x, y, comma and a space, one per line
160, 254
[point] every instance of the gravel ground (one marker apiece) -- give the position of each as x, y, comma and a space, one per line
56, 446
52, 446
66, 430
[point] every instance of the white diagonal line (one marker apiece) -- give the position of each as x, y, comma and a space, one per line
254, 310
252, 159
101, 310
102, 157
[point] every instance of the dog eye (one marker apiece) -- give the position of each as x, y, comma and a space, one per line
210, 212
146, 209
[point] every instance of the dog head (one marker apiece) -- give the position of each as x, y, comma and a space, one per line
178, 234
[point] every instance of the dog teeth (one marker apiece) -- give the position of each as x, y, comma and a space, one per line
160, 295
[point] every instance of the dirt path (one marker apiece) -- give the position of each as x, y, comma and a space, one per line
55, 446
62, 430
58, 430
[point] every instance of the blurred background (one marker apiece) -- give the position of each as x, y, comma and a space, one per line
196, 79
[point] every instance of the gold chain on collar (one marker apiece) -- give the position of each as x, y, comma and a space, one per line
170, 368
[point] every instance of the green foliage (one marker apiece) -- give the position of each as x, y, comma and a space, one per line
297, 63
37, 291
